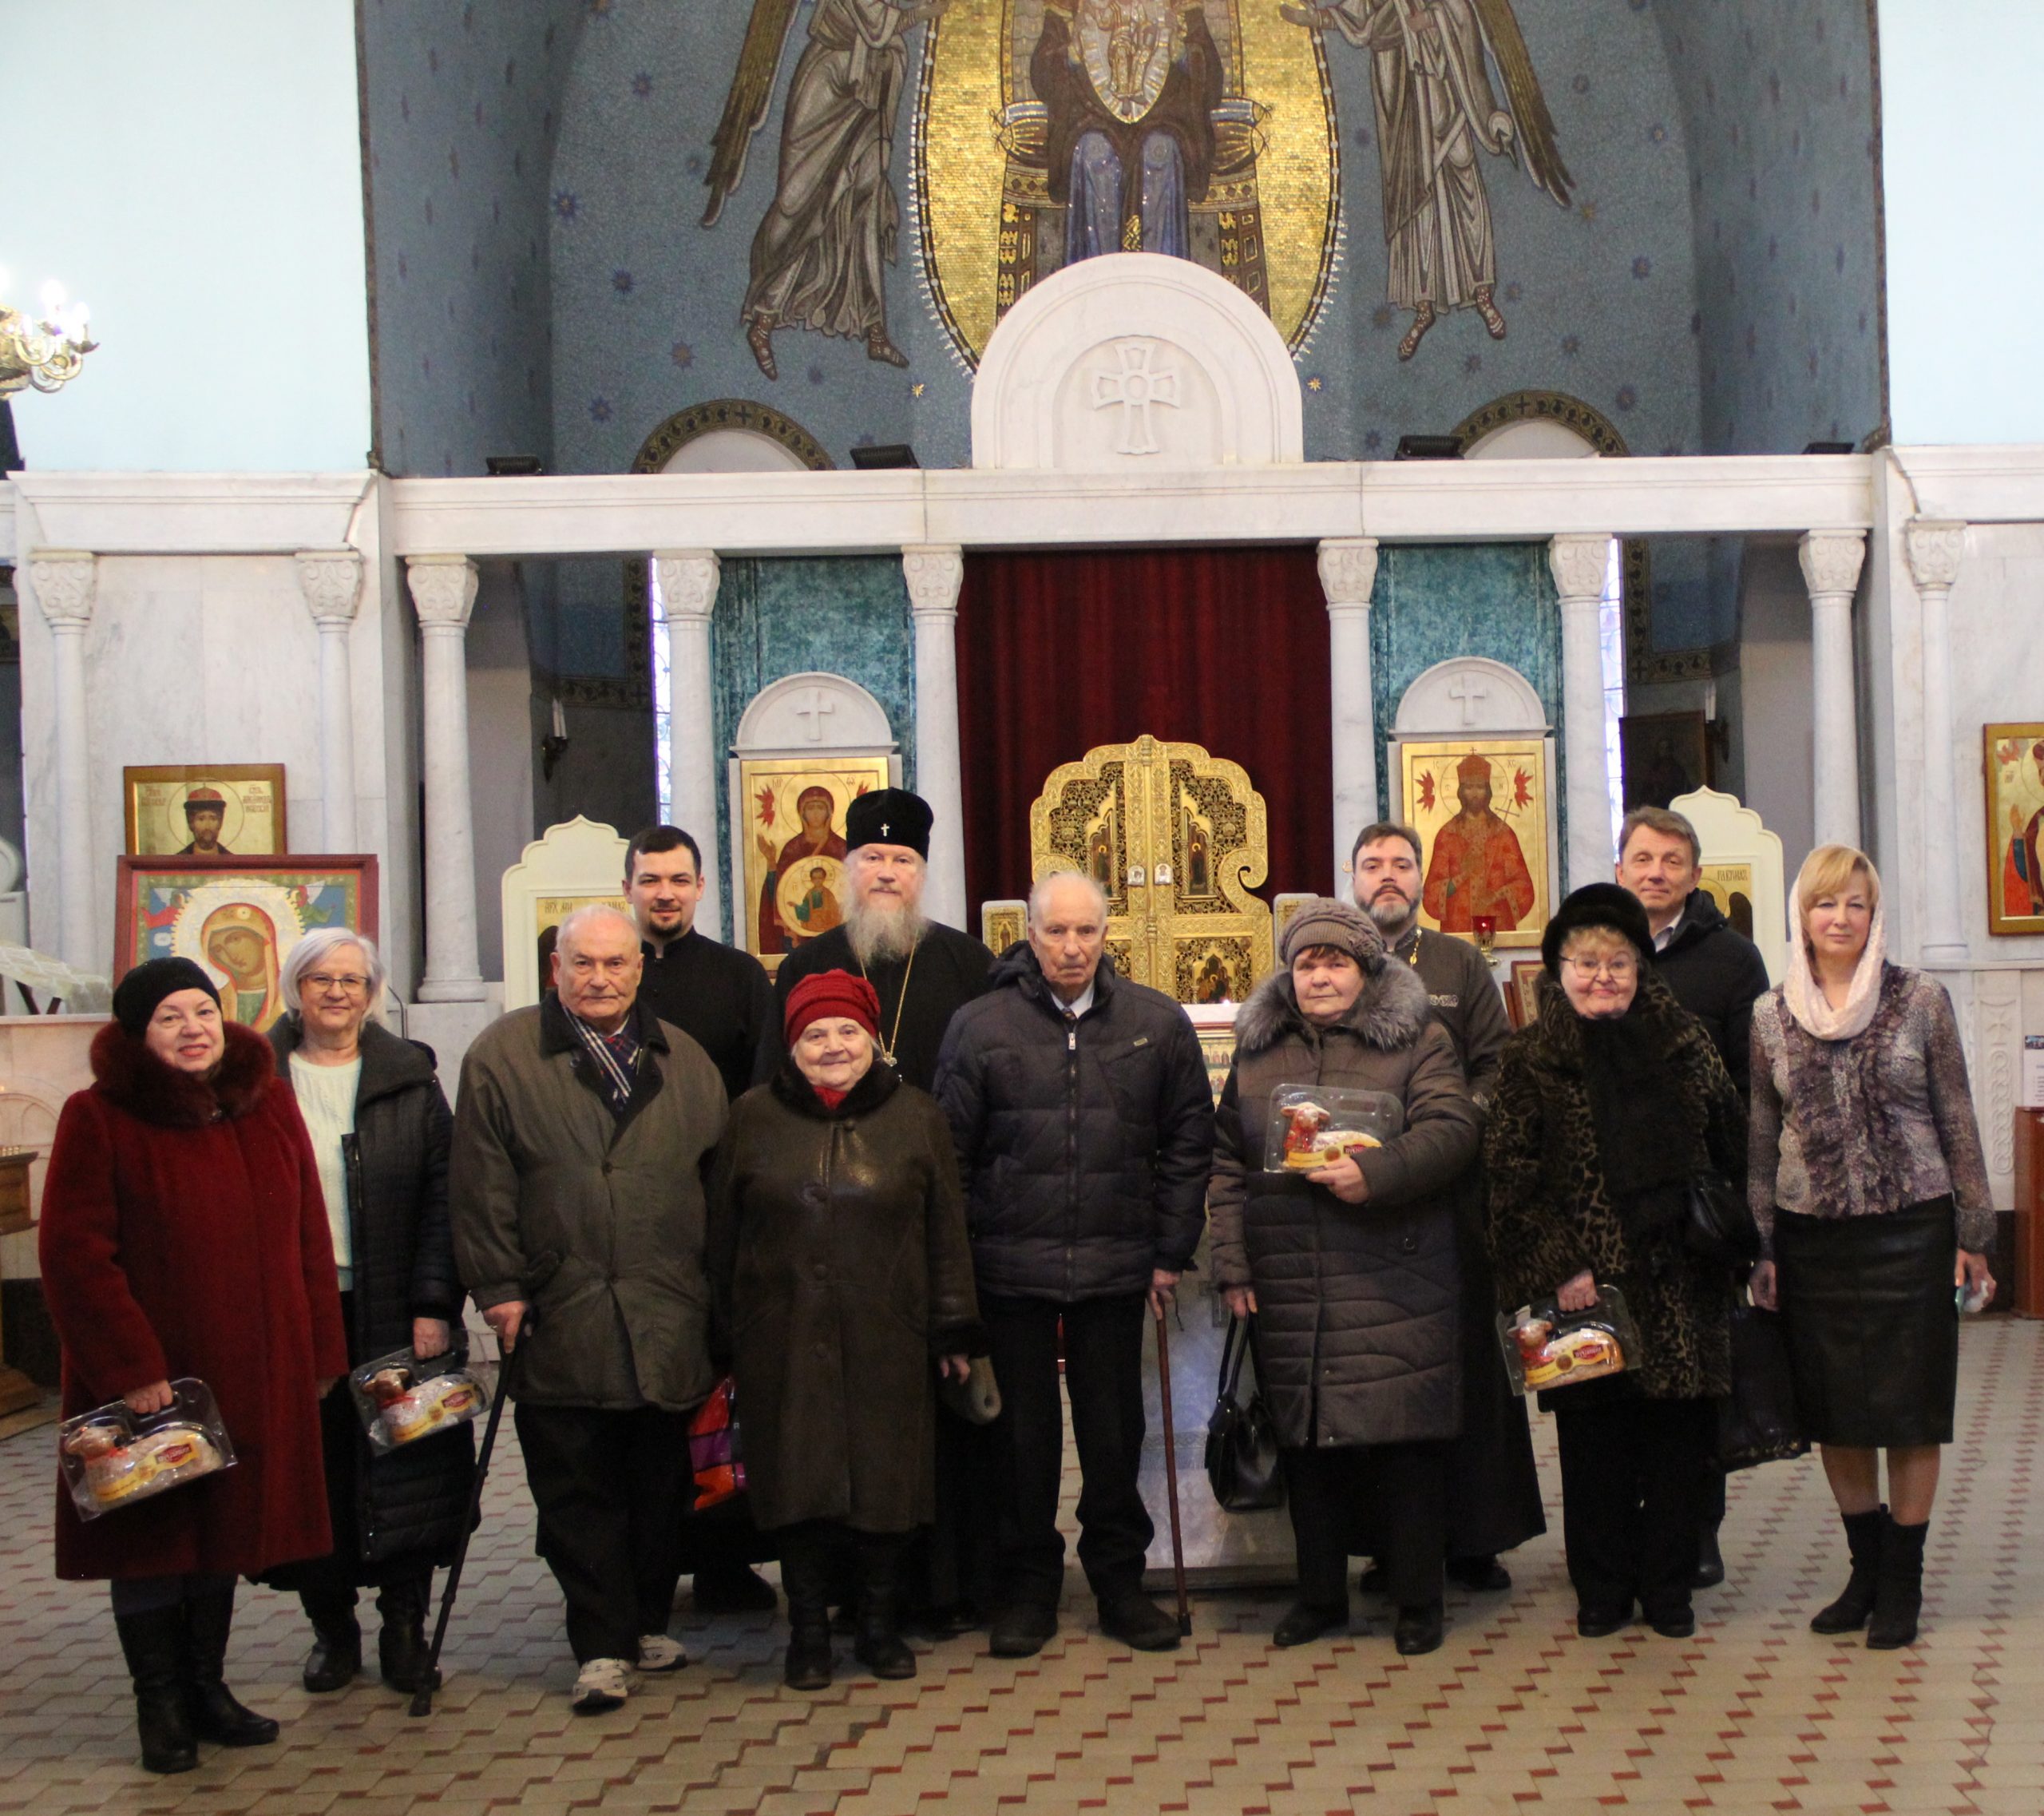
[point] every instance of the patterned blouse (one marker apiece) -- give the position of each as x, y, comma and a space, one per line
1872, 1124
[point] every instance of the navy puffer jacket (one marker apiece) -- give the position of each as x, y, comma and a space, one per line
1085, 1149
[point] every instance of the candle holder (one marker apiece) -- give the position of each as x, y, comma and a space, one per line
47, 355
1486, 929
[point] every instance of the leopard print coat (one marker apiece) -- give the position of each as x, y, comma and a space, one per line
1550, 1216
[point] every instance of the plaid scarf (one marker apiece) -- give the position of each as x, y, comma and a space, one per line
617, 1056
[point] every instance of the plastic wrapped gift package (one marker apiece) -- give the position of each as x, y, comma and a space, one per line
1314, 1125
403, 1396
1545, 1347
111, 1457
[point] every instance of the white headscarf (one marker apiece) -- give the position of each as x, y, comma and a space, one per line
1805, 997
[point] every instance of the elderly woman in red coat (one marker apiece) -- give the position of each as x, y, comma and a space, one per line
184, 1233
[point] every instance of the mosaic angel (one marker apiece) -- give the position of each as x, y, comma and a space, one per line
819, 257
1435, 110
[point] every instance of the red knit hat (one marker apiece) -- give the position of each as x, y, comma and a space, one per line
831, 992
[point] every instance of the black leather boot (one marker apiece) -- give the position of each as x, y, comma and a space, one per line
1898, 1594
1864, 1533
153, 1644
402, 1650
805, 1580
880, 1646
215, 1714
336, 1654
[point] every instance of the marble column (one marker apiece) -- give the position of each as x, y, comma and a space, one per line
444, 592
330, 579
689, 579
66, 580
1347, 573
1580, 565
935, 574
1831, 561
1936, 550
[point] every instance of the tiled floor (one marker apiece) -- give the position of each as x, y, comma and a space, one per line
1754, 1714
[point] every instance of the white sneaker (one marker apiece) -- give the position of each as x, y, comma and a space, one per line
602, 1686
658, 1653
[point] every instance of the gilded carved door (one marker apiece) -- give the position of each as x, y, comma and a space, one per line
1177, 838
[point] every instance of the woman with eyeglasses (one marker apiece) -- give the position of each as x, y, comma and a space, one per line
1870, 1188
381, 1130
1607, 1106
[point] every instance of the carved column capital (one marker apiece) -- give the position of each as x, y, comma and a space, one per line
1348, 571
1579, 564
66, 580
935, 573
1936, 547
1831, 560
443, 590
330, 579
688, 583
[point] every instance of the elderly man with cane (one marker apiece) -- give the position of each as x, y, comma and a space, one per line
577, 1198
1084, 1123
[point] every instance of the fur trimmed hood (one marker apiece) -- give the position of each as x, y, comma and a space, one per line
132, 1078
1390, 1013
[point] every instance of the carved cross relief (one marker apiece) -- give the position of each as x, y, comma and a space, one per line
1136, 388
1466, 694
813, 714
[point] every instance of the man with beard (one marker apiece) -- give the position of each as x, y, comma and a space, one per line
1494, 1491
924, 973
723, 1000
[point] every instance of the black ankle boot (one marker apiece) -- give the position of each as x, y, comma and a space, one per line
1848, 1614
1899, 1594
214, 1712
805, 1580
880, 1646
336, 1654
153, 1644
402, 1650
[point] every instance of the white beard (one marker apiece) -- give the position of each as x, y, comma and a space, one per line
881, 935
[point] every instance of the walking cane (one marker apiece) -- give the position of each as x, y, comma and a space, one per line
1171, 1469
422, 1692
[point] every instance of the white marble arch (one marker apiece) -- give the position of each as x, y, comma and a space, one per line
1471, 694
1135, 362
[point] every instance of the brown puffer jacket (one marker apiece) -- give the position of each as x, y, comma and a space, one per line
838, 1254
1357, 1318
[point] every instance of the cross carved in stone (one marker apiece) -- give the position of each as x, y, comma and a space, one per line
821, 706
1137, 387
1464, 690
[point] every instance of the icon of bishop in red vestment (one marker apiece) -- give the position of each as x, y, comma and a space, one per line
1478, 867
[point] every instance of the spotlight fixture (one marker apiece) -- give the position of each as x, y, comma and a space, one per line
512, 466
1827, 447
887, 454
1429, 447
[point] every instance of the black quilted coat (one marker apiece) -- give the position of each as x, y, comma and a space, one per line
836, 1254
1084, 1151
412, 1499
1358, 1305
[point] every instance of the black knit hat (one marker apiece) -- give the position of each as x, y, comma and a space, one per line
889, 816
142, 991
1596, 905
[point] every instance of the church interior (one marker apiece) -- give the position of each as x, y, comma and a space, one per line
1166, 435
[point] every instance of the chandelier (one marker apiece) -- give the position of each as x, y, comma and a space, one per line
46, 354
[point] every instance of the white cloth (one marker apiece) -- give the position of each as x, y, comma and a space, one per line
325, 1099
1805, 997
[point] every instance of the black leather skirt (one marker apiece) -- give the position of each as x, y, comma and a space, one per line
1872, 1329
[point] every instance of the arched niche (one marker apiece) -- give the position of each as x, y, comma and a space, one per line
1471, 696
1135, 362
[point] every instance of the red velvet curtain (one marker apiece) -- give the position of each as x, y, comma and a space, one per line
1059, 652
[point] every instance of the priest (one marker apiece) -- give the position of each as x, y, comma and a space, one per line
1494, 1491
924, 973
921, 970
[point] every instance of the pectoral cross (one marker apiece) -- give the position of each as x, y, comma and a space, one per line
1135, 387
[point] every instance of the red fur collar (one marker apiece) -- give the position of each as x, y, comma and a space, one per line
127, 1075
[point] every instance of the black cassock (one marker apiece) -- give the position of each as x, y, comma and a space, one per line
947, 970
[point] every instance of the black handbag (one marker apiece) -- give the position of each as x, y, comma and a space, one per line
1720, 1228
1758, 1422
1241, 1442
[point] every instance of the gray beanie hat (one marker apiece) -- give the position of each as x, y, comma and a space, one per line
1323, 921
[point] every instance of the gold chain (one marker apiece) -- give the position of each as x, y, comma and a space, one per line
900, 1002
